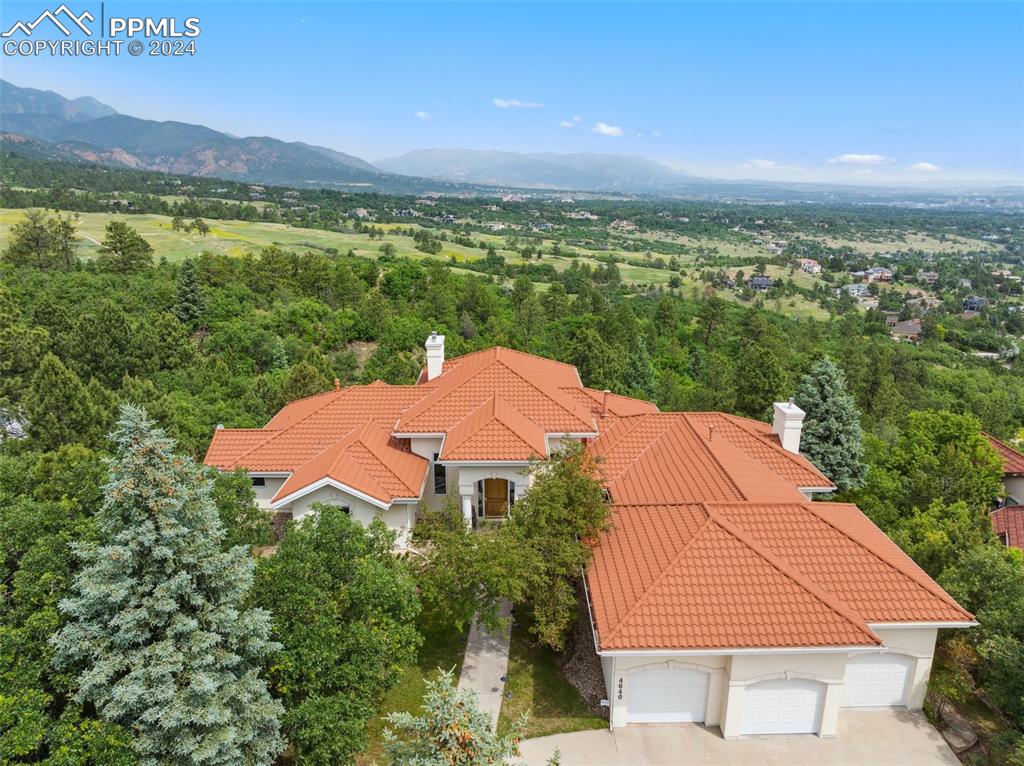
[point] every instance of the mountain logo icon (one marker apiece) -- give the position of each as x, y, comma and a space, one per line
55, 16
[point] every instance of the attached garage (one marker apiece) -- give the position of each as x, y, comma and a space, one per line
876, 680
783, 706
667, 695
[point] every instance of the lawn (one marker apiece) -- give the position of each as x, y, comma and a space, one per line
443, 647
536, 686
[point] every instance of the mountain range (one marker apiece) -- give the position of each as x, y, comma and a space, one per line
45, 124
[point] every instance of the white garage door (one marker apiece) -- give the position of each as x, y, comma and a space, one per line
784, 706
667, 695
876, 680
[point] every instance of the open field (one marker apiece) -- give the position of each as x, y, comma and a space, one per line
908, 241
236, 238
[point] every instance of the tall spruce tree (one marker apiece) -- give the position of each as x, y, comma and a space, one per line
832, 437
189, 304
57, 406
157, 631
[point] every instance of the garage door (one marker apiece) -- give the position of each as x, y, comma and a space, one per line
784, 706
876, 680
667, 695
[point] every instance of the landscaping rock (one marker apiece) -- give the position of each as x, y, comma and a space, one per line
956, 730
583, 668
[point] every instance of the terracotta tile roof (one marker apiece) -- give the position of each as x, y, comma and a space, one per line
750, 575
558, 374
337, 415
295, 411
228, 443
366, 459
1008, 524
519, 379
1013, 461
756, 439
495, 431
837, 547
664, 458
618, 405
684, 577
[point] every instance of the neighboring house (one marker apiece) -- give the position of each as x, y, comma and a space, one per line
721, 594
928, 277
1013, 470
974, 303
1008, 524
759, 282
858, 290
809, 265
908, 329
879, 274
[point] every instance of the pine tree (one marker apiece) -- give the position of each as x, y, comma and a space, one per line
57, 406
157, 631
831, 437
452, 730
31, 242
189, 304
124, 251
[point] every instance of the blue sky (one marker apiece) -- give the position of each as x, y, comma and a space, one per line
867, 93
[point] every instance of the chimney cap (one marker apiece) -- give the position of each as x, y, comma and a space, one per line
220, 426
337, 384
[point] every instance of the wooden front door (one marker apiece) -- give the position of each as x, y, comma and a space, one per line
495, 498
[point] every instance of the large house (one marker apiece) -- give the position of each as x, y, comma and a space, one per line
721, 594
1008, 518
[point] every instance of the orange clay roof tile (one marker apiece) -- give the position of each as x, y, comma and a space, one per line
495, 431
1013, 461
368, 460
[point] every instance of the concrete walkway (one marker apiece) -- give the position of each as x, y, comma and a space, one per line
863, 738
485, 664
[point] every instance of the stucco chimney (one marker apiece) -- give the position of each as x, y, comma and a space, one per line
435, 355
604, 403
788, 423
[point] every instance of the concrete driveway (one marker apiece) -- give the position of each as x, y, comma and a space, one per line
868, 738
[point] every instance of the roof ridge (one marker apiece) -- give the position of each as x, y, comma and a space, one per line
553, 392
378, 490
792, 573
664, 572
647, 447
925, 585
741, 422
340, 392
711, 453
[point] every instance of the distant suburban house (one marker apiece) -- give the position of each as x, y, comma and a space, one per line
809, 265
729, 282
857, 290
622, 225
908, 329
878, 274
759, 282
974, 303
721, 593
928, 277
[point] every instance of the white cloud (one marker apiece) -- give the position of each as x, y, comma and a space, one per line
656, 133
639, 135
861, 159
604, 129
761, 164
425, 116
924, 167
570, 123
514, 103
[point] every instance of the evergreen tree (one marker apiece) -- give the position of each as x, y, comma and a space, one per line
156, 626
57, 406
31, 242
123, 250
831, 437
638, 376
451, 732
189, 304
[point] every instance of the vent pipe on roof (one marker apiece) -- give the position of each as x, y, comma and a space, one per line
435, 355
788, 423
604, 403
337, 384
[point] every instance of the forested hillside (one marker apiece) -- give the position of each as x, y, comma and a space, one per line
228, 340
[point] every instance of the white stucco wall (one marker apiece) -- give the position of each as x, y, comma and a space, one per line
1014, 486
400, 517
264, 494
918, 643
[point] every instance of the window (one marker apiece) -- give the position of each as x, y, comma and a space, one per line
259, 481
440, 477
511, 494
